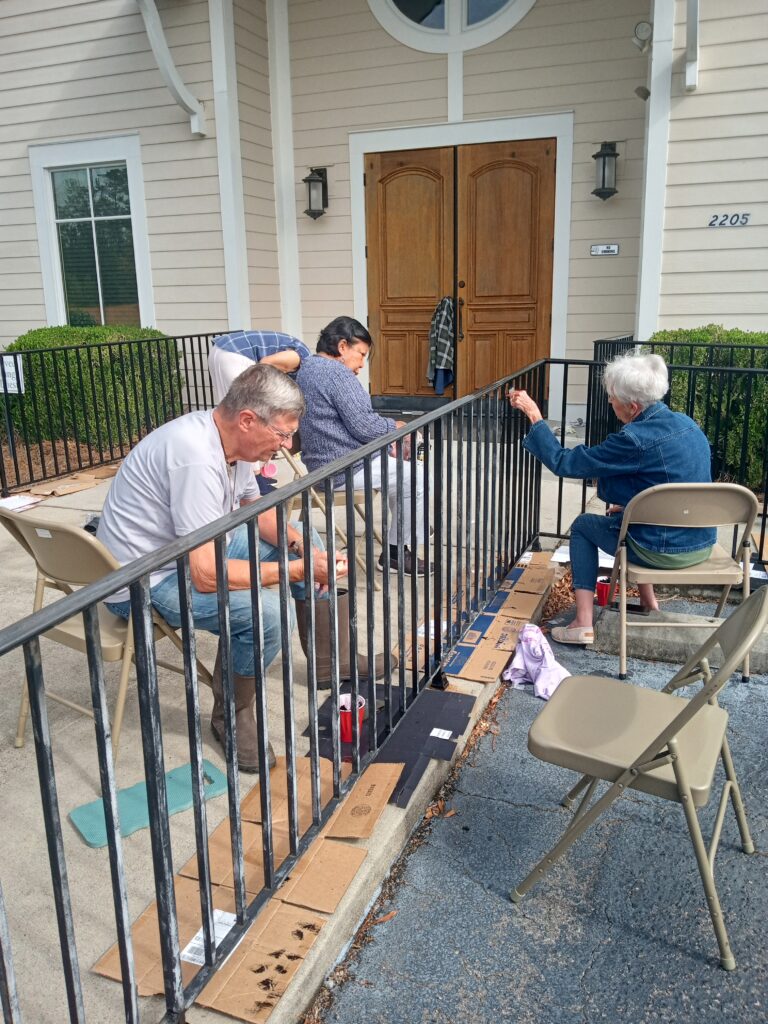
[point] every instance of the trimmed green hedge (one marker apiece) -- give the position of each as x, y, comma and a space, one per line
98, 383
730, 408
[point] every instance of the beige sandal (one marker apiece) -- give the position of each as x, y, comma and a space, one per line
573, 634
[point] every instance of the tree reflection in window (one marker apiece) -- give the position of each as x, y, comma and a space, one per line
93, 221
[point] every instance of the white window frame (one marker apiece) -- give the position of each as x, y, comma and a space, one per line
457, 36
59, 155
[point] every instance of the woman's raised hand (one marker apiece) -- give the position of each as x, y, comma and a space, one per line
522, 401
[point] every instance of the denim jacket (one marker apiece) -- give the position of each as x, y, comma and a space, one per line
658, 447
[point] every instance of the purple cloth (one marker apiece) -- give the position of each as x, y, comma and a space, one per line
535, 663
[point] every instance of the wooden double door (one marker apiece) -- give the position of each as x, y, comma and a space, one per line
475, 223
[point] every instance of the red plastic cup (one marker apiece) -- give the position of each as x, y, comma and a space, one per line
345, 716
602, 589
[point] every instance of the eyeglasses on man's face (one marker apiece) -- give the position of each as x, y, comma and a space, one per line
286, 437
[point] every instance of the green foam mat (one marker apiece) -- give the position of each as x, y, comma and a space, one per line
132, 803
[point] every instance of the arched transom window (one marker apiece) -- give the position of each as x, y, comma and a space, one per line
448, 26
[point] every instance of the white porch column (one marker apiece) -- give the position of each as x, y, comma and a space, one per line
281, 116
655, 170
221, 18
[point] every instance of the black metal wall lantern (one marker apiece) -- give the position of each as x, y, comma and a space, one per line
317, 192
605, 170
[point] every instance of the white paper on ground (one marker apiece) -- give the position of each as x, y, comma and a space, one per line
17, 502
442, 734
194, 951
563, 554
758, 574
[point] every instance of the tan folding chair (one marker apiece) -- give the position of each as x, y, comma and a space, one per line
299, 469
655, 742
685, 505
66, 558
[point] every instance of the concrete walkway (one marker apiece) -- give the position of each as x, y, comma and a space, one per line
618, 932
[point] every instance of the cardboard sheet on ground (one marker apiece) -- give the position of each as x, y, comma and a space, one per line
323, 875
252, 980
520, 605
220, 855
430, 729
535, 581
145, 934
357, 816
250, 805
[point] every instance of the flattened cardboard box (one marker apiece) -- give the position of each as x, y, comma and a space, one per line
250, 805
536, 559
362, 807
145, 934
485, 664
255, 976
521, 606
535, 581
220, 855
323, 875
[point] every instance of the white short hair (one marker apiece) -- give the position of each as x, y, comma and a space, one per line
642, 379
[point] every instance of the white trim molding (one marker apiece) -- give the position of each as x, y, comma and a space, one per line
692, 46
655, 171
114, 149
154, 29
223, 60
538, 126
281, 115
457, 35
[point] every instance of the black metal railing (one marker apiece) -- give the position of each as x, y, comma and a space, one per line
724, 388
78, 407
481, 511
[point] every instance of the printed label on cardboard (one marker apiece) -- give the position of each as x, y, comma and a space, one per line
362, 807
504, 625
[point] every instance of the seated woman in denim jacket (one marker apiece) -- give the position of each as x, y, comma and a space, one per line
655, 446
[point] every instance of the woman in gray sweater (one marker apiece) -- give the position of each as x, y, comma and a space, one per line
340, 419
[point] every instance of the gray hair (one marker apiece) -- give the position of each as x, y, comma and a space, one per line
266, 391
637, 378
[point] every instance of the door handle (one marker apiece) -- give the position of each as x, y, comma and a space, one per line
459, 324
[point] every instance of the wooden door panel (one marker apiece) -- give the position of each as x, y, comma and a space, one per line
410, 239
505, 228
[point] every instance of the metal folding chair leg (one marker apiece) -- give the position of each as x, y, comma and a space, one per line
727, 960
566, 841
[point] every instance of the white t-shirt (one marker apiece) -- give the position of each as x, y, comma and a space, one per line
172, 483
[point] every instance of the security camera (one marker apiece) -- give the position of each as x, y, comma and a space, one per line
642, 35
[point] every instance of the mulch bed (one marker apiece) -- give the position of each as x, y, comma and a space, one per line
50, 459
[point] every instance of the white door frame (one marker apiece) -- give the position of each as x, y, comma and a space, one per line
507, 129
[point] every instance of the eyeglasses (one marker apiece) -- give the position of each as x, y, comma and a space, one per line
286, 437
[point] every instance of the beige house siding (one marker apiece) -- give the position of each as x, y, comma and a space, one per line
348, 74
75, 71
258, 168
718, 164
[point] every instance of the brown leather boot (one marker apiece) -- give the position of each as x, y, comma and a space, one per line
245, 719
323, 642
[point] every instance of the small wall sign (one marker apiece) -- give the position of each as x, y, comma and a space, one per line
605, 249
11, 382
728, 220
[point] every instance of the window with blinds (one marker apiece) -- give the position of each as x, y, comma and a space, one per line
93, 225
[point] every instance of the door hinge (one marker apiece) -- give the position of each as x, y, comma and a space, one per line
366, 252
364, 180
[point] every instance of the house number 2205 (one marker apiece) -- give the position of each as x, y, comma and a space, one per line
729, 220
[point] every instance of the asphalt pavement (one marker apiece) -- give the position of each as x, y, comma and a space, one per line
619, 931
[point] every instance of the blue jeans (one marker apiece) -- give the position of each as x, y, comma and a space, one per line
588, 533
205, 607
